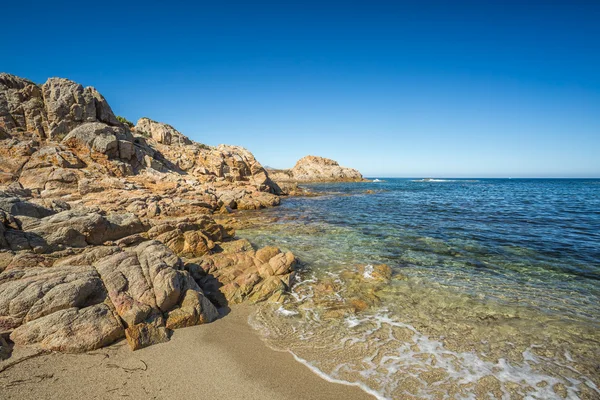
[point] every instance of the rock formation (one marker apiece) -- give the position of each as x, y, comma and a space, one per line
316, 169
106, 231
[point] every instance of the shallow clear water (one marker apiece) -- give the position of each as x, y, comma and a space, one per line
495, 291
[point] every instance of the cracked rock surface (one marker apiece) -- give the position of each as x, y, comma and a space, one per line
107, 229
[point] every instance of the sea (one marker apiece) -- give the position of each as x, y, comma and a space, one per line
494, 290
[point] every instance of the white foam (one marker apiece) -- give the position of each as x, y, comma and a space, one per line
568, 356
420, 353
465, 367
444, 180
389, 360
433, 180
351, 322
328, 378
287, 313
368, 274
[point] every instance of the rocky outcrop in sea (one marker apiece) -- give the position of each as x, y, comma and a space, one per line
316, 169
107, 228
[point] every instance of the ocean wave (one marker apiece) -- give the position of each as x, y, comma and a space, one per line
331, 379
444, 180
285, 312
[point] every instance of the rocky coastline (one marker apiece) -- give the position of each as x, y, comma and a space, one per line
107, 228
313, 169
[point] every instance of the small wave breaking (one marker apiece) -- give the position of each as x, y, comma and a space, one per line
433, 180
393, 350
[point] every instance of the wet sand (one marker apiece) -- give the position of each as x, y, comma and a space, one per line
222, 360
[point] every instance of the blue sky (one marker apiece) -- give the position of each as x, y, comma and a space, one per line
419, 89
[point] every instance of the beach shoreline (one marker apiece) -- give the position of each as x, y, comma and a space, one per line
224, 359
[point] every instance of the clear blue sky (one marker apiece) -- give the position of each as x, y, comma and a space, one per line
413, 89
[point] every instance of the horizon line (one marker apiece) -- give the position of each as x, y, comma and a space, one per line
474, 177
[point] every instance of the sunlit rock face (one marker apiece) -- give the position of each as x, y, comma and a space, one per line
103, 224
316, 169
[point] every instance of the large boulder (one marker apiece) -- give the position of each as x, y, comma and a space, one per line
21, 106
138, 289
189, 237
69, 104
94, 136
161, 132
19, 207
72, 330
114, 142
144, 283
253, 276
75, 228
91, 299
195, 309
27, 294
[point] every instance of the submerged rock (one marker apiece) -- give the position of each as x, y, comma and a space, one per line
377, 273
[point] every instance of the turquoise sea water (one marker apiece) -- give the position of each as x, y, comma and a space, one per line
515, 262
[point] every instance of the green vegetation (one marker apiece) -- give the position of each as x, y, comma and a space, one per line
125, 121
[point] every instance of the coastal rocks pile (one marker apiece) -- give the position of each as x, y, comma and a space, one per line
107, 229
316, 169
247, 274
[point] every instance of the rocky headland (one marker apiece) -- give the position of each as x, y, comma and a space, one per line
312, 169
107, 228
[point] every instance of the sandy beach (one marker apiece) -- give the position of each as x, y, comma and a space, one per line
224, 360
